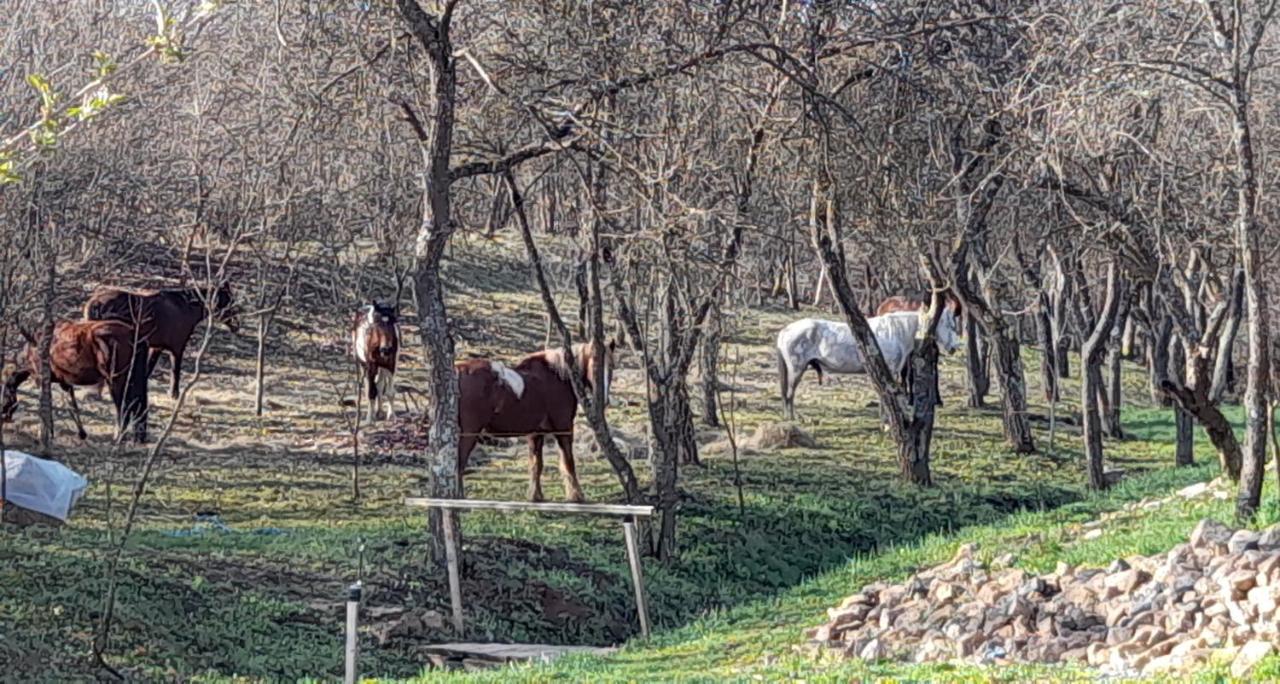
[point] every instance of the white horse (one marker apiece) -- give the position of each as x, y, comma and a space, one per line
829, 346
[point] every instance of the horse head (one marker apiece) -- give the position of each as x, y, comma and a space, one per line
382, 325
948, 330
224, 307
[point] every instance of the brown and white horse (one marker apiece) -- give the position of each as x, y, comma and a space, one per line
164, 318
375, 345
87, 353
534, 398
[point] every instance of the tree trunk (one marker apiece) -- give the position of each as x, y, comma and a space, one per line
1158, 360
1062, 301
1248, 241
1184, 441
45, 377
1044, 333
710, 363
1091, 388
259, 369
1226, 344
977, 362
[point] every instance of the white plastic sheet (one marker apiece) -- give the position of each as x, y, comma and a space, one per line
40, 485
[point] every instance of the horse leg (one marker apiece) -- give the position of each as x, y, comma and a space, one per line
75, 412
535, 467
371, 379
176, 358
117, 398
388, 391
791, 393
568, 471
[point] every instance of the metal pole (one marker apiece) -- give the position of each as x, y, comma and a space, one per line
353, 620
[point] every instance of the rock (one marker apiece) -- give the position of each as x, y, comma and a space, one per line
946, 592
1091, 535
873, 651
1250, 655
1128, 581
1269, 540
1211, 535
1194, 490
970, 644
780, 436
1097, 654
1004, 561
965, 551
1243, 540
1238, 583
1119, 565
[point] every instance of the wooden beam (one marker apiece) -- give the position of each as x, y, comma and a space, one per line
616, 510
455, 581
637, 576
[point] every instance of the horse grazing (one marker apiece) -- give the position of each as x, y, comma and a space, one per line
164, 318
375, 345
829, 346
86, 353
535, 398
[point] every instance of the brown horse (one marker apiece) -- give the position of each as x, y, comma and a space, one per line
375, 345
534, 398
89, 353
164, 318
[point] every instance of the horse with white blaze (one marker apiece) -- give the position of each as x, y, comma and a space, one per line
375, 344
828, 346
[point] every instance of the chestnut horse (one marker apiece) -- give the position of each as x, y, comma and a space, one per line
375, 345
164, 318
535, 398
89, 353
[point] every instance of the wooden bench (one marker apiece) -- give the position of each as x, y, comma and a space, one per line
628, 514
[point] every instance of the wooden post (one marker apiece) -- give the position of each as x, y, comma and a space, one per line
451, 559
637, 576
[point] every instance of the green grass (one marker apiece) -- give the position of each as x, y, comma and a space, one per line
816, 524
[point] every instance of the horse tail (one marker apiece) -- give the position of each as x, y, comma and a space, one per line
783, 373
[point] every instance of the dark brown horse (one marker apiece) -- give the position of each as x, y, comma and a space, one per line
85, 353
534, 398
164, 318
375, 345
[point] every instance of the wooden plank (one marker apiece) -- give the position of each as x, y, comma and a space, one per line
451, 559
506, 653
637, 574
617, 510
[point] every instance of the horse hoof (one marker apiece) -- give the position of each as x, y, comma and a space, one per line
535, 497
82, 435
578, 498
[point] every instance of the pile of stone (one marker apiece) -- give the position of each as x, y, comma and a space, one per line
1212, 599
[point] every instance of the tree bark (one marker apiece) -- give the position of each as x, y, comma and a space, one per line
1248, 241
1095, 346
977, 362
710, 364
1184, 440
1115, 353
1226, 344
1063, 300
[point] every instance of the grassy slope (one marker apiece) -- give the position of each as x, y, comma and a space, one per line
250, 603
